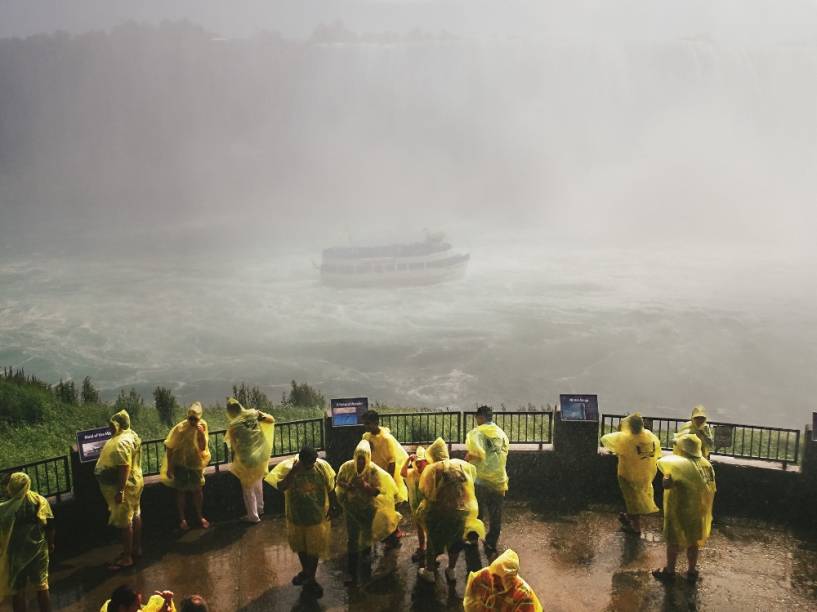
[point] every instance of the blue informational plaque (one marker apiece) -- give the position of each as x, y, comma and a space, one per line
579, 407
347, 411
91, 441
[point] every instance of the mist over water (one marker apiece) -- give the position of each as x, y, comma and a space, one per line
635, 185
657, 331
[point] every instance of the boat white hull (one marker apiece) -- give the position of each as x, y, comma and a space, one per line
394, 276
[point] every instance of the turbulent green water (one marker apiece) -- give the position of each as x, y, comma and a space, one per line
654, 331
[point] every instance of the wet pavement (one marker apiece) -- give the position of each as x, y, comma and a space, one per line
574, 561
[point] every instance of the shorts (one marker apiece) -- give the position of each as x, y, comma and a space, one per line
36, 573
122, 515
312, 540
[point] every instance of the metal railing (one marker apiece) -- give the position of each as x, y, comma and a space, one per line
424, 427
521, 427
737, 440
49, 477
291, 436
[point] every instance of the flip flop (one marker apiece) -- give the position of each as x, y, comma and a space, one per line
663, 575
118, 567
693, 576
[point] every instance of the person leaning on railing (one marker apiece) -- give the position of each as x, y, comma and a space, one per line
638, 450
697, 425
119, 473
487, 447
187, 454
26, 541
249, 435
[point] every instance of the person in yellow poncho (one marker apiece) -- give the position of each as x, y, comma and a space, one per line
308, 484
411, 472
388, 454
499, 588
186, 455
26, 539
367, 494
697, 425
250, 434
119, 473
689, 491
448, 510
487, 446
637, 449
125, 599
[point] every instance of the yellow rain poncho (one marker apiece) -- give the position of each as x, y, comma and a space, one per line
488, 446
413, 481
387, 450
704, 433
688, 502
250, 439
189, 460
124, 448
306, 503
23, 542
449, 509
637, 456
499, 587
154, 604
375, 516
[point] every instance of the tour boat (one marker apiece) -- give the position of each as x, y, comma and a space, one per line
421, 263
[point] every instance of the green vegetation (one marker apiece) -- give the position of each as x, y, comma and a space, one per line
38, 420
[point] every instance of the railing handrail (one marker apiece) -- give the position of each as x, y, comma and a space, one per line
723, 423
785, 460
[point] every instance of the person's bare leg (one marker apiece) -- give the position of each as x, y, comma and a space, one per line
453, 557
181, 502
44, 600
127, 546
18, 601
421, 538
692, 558
198, 504
672, 558
137, 535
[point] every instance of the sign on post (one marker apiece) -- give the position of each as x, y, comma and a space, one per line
579, 407
91, 441
346, 412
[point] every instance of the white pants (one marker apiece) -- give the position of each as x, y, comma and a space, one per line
254, 500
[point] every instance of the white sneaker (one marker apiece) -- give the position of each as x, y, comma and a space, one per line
250, 520
450, 575
427, 575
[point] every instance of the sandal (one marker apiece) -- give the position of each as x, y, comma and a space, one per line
663, 575
118, 566
692, 576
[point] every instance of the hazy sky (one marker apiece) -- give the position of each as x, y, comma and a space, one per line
734, 20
